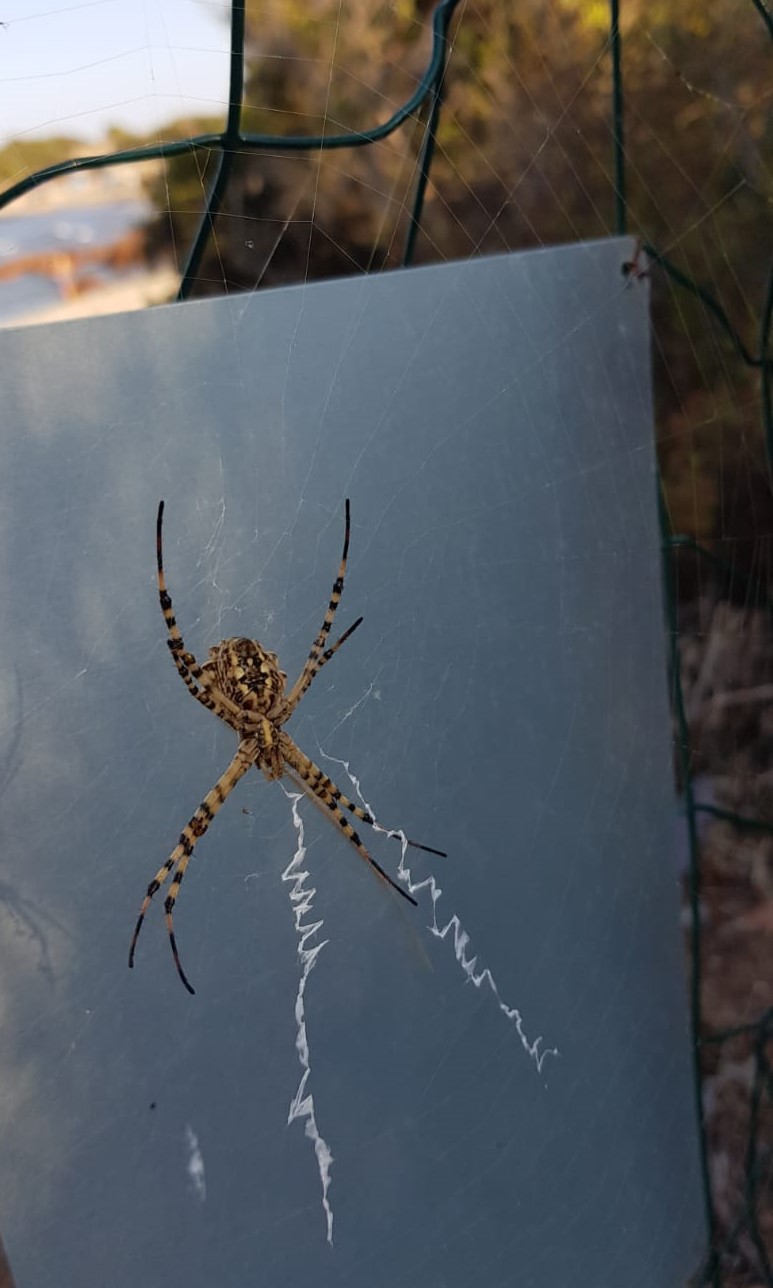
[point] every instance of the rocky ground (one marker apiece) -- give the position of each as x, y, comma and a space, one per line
727, 658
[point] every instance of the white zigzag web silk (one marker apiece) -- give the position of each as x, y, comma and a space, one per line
301, 898
460, 937
195, 1164
302, 1104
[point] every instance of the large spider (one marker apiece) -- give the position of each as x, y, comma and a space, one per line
242, 683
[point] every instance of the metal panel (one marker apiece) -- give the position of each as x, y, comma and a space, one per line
504, 699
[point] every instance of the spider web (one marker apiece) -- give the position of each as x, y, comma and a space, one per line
524, 159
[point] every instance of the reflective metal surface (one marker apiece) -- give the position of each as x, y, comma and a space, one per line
505, 700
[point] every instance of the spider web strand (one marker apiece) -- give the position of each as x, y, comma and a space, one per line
302, 1105
461, 939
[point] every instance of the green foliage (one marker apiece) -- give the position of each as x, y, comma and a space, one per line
22, 157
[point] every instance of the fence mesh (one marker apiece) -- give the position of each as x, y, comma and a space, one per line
741, 1232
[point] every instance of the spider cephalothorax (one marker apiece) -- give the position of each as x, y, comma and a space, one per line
242, 683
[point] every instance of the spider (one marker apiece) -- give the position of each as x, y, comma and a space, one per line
242, 683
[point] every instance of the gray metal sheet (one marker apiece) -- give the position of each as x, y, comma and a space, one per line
505, 699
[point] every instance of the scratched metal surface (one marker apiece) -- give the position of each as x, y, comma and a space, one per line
505, 699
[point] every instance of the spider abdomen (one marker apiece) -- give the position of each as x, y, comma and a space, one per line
248, 675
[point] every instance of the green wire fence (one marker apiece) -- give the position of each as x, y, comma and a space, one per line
233, 139
425, 105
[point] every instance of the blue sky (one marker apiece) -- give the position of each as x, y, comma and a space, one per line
79, 66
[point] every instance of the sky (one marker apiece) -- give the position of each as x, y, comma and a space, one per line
77, 67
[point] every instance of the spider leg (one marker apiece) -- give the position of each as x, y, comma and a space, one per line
315, 784
331, 811
328, 788
187, 666
319, 655
191, 833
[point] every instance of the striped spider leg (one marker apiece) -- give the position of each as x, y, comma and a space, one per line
242, 684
